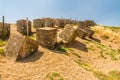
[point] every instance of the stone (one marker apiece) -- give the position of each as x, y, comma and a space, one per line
86, 30
20, 46
22, 27
38, 23
69, 33
59, 39
81, 33
49, 22
89, 23
89, 32
59, 23
6, 31
75, 22
46, 37
67, 21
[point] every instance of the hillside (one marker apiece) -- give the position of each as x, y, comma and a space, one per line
84, 59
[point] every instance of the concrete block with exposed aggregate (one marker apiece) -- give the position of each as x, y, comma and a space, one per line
49, 22
81, 33
20, 46
22, 27
46, 37
38, 23
59, 23
69, 33
89, 32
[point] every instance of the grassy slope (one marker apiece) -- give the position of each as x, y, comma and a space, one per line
104, 51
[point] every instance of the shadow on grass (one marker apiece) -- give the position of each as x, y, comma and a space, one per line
78, 45
95, 39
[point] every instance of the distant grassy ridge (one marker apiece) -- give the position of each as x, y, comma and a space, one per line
114, 29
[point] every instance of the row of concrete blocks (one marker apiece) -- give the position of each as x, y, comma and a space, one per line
39, 23
51, 22
20, 46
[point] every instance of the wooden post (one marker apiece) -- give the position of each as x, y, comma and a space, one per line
3, 28
27, 26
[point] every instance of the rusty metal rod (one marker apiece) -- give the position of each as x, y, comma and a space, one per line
3, 27
27, 26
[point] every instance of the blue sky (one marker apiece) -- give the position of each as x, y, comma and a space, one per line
105, 12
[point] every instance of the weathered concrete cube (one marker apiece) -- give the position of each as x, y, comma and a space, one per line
20, 46
49, 22
69, 33
46, 37
6, 31
81, 33
89, 23
22, 27
89, 32
67, 21
38, 23
59, 23
75, 22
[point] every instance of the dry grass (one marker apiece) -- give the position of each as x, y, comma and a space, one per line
112, 75
115, 74
104, 50
106, 33
54, 76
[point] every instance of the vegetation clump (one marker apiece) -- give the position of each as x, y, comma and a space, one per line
54, 76
2, 43
113, 75
2, 51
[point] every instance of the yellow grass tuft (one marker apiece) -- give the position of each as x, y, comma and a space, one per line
106, 32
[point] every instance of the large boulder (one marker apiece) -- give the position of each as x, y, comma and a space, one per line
46, 37
69, 33
22, 27
20, 46
6, 30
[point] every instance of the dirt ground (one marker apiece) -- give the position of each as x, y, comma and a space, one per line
37, 66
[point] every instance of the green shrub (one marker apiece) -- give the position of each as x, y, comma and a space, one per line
33, 36
54, 76
2, 43
118, 50
62, 49
2, 51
